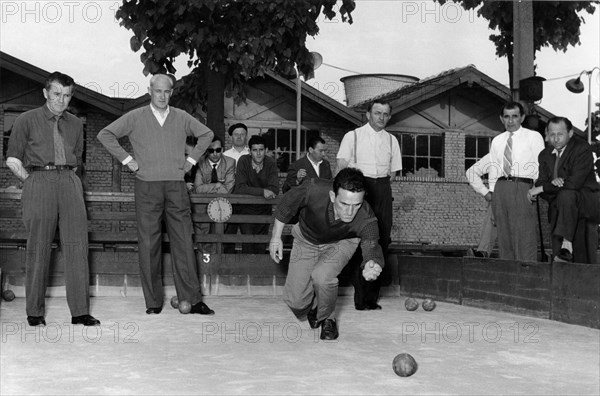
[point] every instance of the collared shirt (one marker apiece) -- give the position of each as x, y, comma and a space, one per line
314, 164
32, 138
526, 146
374, 155
317, 221
558, 152
233, 153
160, 117
475, 174
257, 167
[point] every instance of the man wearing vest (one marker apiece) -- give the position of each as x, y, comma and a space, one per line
333, 220
376, 153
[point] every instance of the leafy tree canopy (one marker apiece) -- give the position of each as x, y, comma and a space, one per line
556, 23
239, 39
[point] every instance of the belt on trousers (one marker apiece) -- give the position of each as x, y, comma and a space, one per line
378, 179
50, 167
516, 179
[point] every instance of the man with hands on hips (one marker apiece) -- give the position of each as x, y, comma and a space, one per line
158, 135
333, 220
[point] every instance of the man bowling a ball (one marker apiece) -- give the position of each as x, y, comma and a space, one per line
333, 220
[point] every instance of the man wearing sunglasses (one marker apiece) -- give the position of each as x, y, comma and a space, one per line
216, 172
215, 175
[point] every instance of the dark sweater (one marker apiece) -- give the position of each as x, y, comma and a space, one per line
317, 219
247, 181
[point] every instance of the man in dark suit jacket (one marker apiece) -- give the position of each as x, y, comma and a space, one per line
569, 185
312, 165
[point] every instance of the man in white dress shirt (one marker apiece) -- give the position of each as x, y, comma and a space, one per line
513, 169
238, 133
488, 230
376, 153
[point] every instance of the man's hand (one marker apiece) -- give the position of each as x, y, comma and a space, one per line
489, 196
558, 182
276, 249
187, 166
268, 194
371, 270
133, 165
534, 192
300, 175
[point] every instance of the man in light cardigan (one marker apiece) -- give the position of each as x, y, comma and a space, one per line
158, 134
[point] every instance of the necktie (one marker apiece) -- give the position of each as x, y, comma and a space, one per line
59, 145
555, 173
508, 155
213, 175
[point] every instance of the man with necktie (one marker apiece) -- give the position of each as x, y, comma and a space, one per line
513, 169
567, 181
215, 175
44, 150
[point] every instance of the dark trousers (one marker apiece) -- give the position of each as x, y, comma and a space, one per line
52, 198
379, 196
567, 221
168, 200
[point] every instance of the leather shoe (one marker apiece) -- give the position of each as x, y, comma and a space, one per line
155, 311
86, 320
373, 306
329, 330
360, 307
36, 321
564, 256
202, 309
312, 319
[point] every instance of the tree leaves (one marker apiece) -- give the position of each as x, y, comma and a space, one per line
240, 39
556, 24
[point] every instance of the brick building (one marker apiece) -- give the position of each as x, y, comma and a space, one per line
443, 123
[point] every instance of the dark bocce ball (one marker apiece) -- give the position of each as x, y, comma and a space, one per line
411, 304
175, 302
8, 295
404, 365
428, 304
185, 307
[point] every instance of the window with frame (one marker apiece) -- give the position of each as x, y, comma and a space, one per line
281, 143
476, 147
422, 155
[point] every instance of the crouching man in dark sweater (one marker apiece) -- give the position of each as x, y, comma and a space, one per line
333, 220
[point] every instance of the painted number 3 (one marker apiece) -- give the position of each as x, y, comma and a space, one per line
206, 257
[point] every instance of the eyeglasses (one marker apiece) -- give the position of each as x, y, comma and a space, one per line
212, 150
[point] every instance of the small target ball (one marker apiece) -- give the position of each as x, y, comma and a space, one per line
428, 304
411, 304
8, 295
175, 302
185, 307
404, 365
